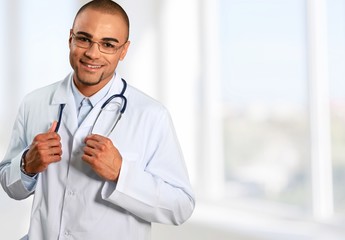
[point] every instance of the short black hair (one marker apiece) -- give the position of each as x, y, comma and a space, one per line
106, 6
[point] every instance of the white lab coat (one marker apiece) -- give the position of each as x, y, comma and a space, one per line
70, 200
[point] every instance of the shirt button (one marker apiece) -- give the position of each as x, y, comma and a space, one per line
80, 152
67, 234
71, 193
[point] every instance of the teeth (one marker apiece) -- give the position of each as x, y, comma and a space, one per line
92, 66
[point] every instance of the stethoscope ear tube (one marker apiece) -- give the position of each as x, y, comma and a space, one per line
121, 95
123, 109
60, 117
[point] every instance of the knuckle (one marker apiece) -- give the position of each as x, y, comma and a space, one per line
98, 155
108, 141
39, 145
102, 147
37, 138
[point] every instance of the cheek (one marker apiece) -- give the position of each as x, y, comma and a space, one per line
112, 63
71, 59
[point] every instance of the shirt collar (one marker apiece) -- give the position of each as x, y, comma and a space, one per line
94, 99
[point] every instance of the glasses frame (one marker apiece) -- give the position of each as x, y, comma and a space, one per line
90, 44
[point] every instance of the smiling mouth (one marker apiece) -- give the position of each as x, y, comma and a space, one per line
91, 66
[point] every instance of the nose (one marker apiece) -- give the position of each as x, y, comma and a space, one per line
93, 51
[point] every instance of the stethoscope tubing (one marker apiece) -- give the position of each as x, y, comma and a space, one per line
123, 109
62, 106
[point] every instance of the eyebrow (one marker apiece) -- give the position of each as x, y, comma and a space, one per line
105, 39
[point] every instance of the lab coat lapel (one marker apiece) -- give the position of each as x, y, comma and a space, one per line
64, 95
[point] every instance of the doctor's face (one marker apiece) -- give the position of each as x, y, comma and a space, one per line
98, 41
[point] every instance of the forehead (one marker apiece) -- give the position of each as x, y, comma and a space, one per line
101, 25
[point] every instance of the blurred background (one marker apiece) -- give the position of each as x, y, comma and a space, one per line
256, 90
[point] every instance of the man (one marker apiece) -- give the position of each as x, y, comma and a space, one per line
96, 174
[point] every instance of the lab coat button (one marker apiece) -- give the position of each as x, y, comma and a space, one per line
71, 193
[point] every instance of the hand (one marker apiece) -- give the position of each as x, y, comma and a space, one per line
44, 150
102, 156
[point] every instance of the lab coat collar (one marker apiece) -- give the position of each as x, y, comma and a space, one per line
64, 95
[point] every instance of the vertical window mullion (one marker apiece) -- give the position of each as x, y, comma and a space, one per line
319, 110
211, 177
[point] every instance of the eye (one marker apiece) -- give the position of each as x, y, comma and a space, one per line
108, 45
82, 39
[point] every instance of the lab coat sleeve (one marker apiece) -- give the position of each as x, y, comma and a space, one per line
16, 184
160, 192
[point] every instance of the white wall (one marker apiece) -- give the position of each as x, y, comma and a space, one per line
174, 57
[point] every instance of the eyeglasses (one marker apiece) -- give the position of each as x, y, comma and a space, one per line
103, 46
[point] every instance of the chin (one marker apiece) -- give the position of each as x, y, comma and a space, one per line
88, 81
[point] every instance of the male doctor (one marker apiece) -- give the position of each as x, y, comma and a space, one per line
94, 174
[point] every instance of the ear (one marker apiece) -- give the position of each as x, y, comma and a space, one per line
70, 38
124, 50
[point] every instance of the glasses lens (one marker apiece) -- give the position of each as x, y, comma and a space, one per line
106, 47
81, 42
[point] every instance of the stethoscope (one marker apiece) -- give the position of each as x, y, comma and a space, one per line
117, 119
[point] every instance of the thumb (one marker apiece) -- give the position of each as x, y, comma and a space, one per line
53, 127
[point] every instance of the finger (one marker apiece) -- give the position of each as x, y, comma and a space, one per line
89, 159
92, 143
88, 156
47, 143
54, 158
95, 137
53, 127
88, 150
55, 151
92, 152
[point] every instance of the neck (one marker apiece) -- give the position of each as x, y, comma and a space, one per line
88, 89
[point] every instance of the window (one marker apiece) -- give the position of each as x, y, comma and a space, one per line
265, 97
336, 30
282, 127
